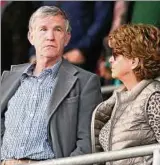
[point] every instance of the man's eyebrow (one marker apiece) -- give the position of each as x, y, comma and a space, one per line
58, 26
42, 26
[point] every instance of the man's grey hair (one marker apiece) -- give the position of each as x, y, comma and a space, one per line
49, 11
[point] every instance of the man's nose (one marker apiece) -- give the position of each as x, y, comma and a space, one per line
50, 35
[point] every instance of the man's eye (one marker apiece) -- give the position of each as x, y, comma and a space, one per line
58, 29
43, 29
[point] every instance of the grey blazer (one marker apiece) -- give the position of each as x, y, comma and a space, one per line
76, 94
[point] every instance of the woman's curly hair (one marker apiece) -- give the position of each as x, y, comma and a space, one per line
141, 41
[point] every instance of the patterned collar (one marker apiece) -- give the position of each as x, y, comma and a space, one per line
53, 70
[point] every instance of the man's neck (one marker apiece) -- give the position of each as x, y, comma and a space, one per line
44, 63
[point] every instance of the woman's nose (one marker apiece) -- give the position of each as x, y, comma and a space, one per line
111, 59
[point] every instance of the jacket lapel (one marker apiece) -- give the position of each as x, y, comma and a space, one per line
9, 87
66, 80
10, 82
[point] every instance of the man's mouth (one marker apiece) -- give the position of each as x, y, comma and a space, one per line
50, 46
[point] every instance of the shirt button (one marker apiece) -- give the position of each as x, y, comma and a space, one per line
31, 115
39, 79
22, 147
27, 132
34, 97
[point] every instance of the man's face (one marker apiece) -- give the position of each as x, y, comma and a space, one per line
49, 36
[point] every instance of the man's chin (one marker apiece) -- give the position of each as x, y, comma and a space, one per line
49, 55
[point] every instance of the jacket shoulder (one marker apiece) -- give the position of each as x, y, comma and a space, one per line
83, 72
79, 72
19, 67
154, 86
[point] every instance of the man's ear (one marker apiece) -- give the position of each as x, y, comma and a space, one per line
30, 37
67, 38
135, 62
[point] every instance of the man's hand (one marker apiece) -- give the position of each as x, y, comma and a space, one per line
75, 56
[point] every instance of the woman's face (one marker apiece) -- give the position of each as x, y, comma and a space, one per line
121, 67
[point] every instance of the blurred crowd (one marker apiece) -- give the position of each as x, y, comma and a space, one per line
91, 24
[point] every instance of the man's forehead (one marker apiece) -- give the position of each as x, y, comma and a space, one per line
50, 19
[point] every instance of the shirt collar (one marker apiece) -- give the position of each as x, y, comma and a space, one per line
53, 70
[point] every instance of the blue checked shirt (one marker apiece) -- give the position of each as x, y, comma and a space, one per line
26, 118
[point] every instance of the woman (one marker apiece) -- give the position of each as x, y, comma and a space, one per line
131, 117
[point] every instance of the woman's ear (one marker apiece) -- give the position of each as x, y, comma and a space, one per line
135, 62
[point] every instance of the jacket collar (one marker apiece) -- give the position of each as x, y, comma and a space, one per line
9, 87
66, 79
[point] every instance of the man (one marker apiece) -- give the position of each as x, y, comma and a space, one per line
47, 105
90, 22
